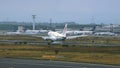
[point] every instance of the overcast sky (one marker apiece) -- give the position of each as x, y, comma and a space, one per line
79, 11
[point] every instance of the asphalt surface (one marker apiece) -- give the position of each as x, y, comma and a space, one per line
56, 42
27, 63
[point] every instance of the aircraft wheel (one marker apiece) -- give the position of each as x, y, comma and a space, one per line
49, 43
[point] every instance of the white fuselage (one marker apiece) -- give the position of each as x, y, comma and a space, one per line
56, 36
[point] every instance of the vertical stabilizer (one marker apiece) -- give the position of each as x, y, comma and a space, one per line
64, 30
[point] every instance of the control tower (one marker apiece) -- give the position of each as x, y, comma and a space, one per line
33, 16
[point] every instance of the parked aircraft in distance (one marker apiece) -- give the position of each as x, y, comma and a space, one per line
105, 34
76, 32
33, 32
21, 31
13, 33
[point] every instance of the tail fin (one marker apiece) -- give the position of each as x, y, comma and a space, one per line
64, 30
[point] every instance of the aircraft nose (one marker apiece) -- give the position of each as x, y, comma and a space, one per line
49, 33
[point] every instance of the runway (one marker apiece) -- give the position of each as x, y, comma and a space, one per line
53, 43
28, 63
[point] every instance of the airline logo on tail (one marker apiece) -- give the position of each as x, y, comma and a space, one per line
64, 30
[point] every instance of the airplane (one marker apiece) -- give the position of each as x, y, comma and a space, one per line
34, 32
13, 33
55, 36
105, 34
19, 31
82, 33
58, 37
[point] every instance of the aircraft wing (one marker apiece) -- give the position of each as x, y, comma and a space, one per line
38, 36
72, 37
44, 37
68, 37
